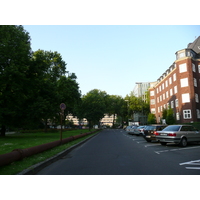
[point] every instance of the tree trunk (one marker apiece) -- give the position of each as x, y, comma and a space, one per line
3, 131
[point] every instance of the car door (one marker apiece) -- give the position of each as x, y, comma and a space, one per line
196, 134
184, 132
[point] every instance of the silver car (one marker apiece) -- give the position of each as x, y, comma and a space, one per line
179, 134
131, 129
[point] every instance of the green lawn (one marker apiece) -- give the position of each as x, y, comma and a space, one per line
26, 140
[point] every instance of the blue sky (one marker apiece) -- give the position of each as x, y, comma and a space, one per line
112, 58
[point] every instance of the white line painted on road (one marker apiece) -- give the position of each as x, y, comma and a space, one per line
151, 145
193, 168
192, 162
179, 149
141, 142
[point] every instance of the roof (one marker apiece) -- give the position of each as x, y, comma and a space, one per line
195, 46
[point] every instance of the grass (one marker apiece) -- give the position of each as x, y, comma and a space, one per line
26, 140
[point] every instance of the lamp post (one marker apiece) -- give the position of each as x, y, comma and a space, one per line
140, 95
62, 107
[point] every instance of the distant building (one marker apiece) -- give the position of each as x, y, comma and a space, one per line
105, 121
140, 90
179, 87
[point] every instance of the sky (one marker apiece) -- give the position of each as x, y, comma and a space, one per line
112, 58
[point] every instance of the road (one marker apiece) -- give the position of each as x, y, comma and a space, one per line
114, 152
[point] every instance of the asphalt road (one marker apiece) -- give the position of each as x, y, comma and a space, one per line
114, 152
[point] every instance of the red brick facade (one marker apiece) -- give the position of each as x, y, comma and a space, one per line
179, 89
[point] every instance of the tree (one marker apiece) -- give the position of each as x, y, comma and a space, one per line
170, 116
115, 107
94, 106
151, 119
48, 70
15, 53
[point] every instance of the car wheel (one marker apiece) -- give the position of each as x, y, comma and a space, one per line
183, 142
148, 140
163, 143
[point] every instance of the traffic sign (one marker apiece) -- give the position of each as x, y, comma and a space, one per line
62, 106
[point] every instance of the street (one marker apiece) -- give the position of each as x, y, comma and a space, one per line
114, 152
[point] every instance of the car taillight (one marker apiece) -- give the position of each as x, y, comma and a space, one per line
171, 134
156, 133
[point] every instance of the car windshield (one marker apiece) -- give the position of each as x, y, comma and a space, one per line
172, 128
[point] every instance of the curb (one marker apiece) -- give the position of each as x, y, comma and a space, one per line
32, 170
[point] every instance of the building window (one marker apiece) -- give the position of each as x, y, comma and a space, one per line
152, 101
163, 86
195, 82
160, 88
166, 82
175, 89
167, 105
158, 109
177, 116
187, 114
182, 68
181, 55
157, 99
174, 77
193, 67
176, 102
167, 94
157, 90
171, 92
160, 97
199, 68
197, 98
164, 106
170, 80
164, 96
198, 113
186, 98
153, 111
152, 93
184, 82
172, 104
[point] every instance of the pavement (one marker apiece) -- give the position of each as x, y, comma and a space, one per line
37, 167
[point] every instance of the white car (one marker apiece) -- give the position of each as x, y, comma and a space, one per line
179, 134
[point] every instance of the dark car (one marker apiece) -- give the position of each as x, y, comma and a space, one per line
178, 134
151, 130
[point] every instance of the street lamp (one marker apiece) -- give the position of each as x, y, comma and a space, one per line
140, 92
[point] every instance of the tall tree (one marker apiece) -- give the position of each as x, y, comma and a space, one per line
15, 53
115, 106
94, 106
49, 69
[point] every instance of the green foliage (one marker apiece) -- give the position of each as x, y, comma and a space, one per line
151, 119
32, 84
168, 114
93, 106
170, 117
15, 55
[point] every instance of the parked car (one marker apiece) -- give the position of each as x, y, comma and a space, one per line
151, 130
131, 129
127, 129
139, 130
179, 134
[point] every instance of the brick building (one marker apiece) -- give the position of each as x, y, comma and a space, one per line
179, 87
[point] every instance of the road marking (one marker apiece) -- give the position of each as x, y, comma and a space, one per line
140, 141
179, 149
193, 168
151, 145
193, 162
